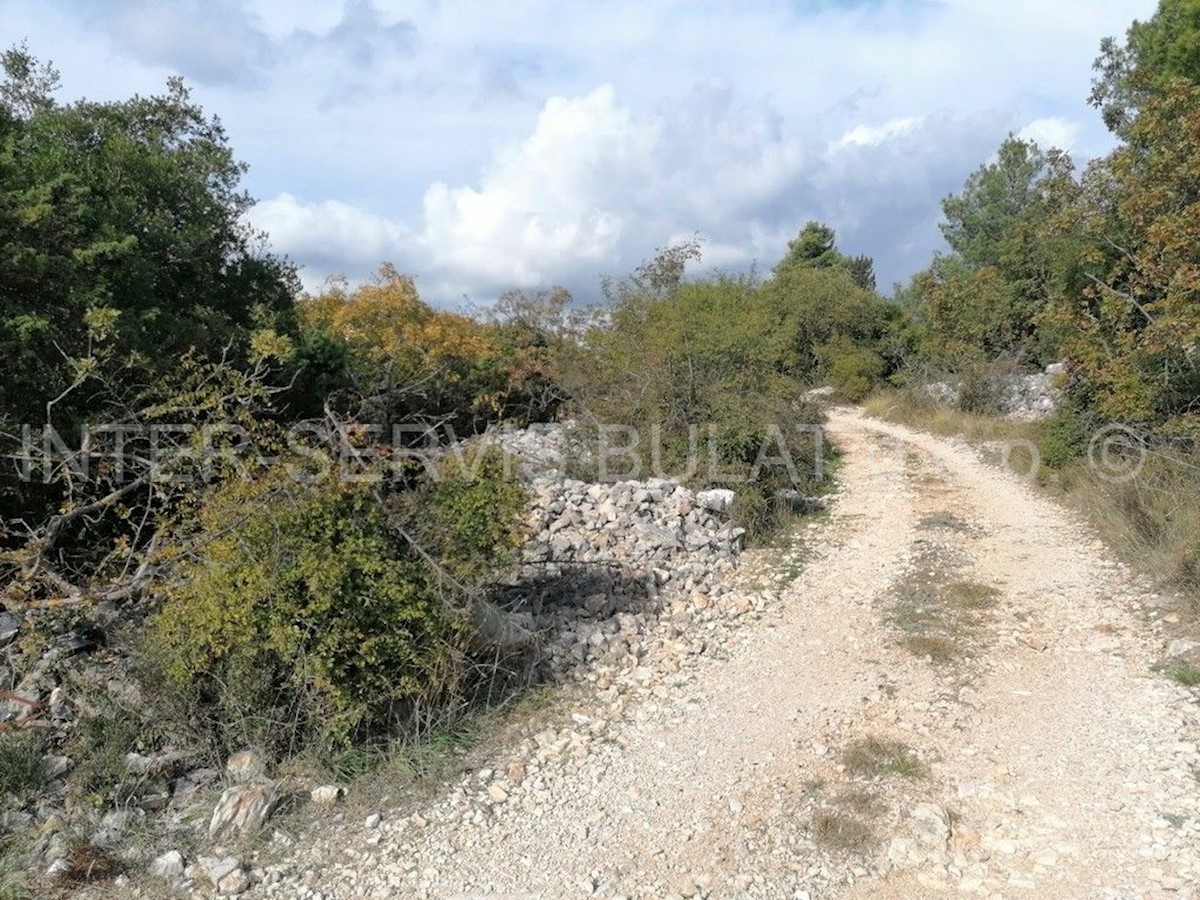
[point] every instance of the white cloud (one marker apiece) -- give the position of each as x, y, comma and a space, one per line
1051, 132
548, 203
868, 136
470, 142
330, 237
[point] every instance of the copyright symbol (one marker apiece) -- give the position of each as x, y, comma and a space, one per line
1117, 454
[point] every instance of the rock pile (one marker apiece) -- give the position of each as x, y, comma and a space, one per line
1025, 398
604, 560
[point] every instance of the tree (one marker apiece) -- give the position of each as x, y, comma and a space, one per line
1134, 323
130, 211
815, 248
1004, 207
1156, 52
1015, 233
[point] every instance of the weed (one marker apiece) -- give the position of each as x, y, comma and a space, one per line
13, 868
872, 757
944, 520
838, 830
89, 864
20, 763
935, 647
970, 594
1189, 676
100, 744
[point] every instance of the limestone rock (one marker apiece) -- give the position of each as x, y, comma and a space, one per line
242, 808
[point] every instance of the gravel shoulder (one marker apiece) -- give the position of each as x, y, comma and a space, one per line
1046, 759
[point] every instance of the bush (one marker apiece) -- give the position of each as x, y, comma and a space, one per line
322, 611
1065, 438
851, 369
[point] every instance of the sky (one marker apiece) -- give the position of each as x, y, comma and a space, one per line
483, 146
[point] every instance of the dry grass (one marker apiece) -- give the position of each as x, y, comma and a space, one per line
838, 830
909, 408
1152, 520
873, 757
969, 595
89, 864
940, 619
935, 647
944, 521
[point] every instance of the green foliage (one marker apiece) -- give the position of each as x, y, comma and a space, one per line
321, 611
1015, 235
1065, 438
732, 354
852, 369
1156, 52
99, 745
129, 213
1188, 676
815, 248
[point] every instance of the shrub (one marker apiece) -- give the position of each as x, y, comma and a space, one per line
853, 370
322, 610
1065, 438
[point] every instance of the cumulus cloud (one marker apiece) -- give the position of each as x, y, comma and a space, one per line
1051, 132
595, 186
483, 145
873, 136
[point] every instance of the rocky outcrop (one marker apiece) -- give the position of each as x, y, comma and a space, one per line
1027, 398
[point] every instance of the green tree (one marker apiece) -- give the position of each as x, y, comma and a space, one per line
815, 247
1155, 52
1015, 233
130, 213
1134, 323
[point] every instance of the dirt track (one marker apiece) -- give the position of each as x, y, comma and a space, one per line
1050, 760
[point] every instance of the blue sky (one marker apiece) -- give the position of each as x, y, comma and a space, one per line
483, 146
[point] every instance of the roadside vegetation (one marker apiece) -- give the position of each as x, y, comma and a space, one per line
212, 531
1098, 270
250, 543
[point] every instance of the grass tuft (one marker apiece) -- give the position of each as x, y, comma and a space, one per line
837, 830
872, 757
20, 763
1188, 676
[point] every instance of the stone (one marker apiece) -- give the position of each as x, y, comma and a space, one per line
931, 826
56, 766
217, 868
245, 766
10, 625
682, 883
717, 500
243, 808
1182, 648
169, 865
236, 882
327, 794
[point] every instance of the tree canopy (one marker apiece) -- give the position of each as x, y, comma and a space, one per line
127, 215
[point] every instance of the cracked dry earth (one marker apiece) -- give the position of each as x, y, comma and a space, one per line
808, 751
